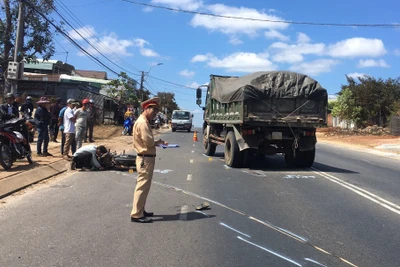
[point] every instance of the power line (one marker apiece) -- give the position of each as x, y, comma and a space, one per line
100, 43
172, 83
93, 46
374, 25
58, 28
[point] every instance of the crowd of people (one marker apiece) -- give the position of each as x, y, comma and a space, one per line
74, 122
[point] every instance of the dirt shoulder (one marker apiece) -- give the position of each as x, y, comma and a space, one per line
381, 141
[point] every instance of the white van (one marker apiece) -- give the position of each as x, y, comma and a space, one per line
181, 120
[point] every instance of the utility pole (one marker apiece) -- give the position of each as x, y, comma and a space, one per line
19, 42
141, 86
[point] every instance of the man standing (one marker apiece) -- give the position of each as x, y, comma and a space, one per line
91, 121
42, 117
81, 122
27, 107
55, 111
145, 146
8, 107
69, 127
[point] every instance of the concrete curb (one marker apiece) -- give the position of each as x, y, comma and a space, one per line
24, 179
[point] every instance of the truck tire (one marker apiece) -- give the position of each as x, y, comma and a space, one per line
233, 156
173, 129
303, 159
209, 147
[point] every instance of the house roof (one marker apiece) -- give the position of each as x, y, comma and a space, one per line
92, 74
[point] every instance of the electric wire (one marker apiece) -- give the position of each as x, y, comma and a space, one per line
60, 30
100, 43
373, 25
87, 41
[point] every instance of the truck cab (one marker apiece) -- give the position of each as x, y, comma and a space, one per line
181, 120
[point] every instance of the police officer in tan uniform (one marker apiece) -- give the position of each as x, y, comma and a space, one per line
145, 146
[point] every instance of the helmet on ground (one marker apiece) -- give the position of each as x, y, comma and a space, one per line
85, 101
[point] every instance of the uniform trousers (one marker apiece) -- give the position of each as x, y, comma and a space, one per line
145, 168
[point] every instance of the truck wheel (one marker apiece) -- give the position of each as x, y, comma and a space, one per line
173, 129
233, 156
208, 146
308, 158
303, 159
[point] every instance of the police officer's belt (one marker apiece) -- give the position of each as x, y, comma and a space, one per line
146, 155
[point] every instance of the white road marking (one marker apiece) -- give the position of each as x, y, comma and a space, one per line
255, 173
270, 251
192, 161
183, 213
291, 176
192, 151
314, 261
362, 192
189, 177
162, 171
268, 224
233, 229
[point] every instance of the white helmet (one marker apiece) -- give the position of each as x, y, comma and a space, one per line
91, 101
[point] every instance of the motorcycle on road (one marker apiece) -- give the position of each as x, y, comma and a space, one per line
13, 144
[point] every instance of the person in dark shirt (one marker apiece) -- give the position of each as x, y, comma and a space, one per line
9, 108
43, 117
54, 111
27, 107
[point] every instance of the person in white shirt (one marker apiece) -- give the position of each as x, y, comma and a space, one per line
86, 157
69, 127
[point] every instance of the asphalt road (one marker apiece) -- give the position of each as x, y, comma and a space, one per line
343, 212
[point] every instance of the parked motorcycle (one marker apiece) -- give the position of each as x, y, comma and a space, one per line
13, 145
128, 124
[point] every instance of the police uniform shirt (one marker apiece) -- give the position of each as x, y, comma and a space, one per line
143, 139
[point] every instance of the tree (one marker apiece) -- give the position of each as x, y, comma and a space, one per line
38, 38
123, 89
376, 97
167, 102
346, 109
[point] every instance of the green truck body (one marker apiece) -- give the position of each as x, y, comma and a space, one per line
263, 113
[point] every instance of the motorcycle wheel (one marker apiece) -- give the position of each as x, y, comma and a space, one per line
29, 158
6, 159
125, 131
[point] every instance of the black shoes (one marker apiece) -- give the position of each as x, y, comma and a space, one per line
148, 214
141, 220
47, 154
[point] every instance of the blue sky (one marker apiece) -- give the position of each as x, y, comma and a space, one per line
191, 46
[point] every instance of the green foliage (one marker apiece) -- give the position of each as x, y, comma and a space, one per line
345, 107
38, 37
376, 99
167, 102
123, 89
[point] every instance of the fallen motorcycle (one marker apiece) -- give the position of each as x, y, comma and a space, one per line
13, 145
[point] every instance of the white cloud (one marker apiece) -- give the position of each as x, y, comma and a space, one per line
396, 52
368, 63
332, 97
239, 62
357, 47
147, 9
84, 32
356, 75
315, 67
303, 38
201, 58
190, 5
140, 42
274, 34
109, 44
148, 52
235, 26
294, 53
235, 41
187, 73
193, 85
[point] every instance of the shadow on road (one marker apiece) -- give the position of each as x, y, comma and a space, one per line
190, 216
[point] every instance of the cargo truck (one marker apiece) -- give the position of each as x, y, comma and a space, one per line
263, 113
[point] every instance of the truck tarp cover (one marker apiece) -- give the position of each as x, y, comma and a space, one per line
264, 85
